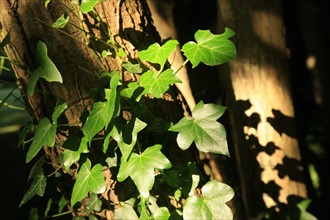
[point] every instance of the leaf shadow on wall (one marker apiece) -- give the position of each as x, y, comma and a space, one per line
289, 167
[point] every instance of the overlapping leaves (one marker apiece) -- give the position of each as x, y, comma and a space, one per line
88, 179
141, 168
212, 203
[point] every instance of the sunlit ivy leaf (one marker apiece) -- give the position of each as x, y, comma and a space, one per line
58, 111
48, 69
203, 128
141, 168
94, 203
157, 85
88, 179
73, 151
126, 211
126, 139
106, 53
61, 21
44, 135
37, 187
46, 3
161, 213
212, 203
211, 49
103, 112
304, 214
158, 54
132, 68
88, 5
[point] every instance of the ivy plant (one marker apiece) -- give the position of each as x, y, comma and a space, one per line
142, 167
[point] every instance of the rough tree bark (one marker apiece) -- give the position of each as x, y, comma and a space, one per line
260, 109
28, 22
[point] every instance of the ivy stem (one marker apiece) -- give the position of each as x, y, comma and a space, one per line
183, 64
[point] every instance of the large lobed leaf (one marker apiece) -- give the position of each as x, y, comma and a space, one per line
203, 128
158, 54
212, 203
141, 168
210, 49
102, 112
157, 85
88, 179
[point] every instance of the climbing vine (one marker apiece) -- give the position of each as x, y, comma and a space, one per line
124, 159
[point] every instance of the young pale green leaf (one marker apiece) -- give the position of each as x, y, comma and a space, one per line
141, 168
38, 186
102, 112
157, 85
48, 69
203, 128
58, 111
126, 211
61, 21
161, 213
44, 135
212, 203
87, 179
88, 5
46, 3
211, 49
158, 54
33, 81
304, 214
126, 139
132, 68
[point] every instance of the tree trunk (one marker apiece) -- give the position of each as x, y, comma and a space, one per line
261, 110
130, 25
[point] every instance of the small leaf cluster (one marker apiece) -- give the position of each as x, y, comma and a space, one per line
108, 141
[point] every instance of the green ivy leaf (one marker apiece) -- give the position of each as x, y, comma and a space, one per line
132, 68
203, 128
212, 204
126, 211
161, 213
131, 91
48, 69
44, 135
210, 49
157, 85
126, 139
304, 214
46, 3
102, 112
141, 168
33, 81
61, 21
88, 5
58, 111
93, 204
38, 186
158, 54
87, 179
72, 153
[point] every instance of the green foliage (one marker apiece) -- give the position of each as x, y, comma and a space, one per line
203, 128
210, 49
88, 179
108, 141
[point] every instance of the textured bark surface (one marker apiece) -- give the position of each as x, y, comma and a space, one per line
261, 110
130, 25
